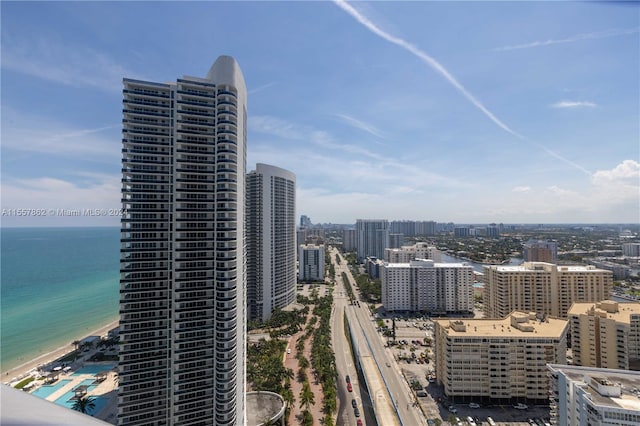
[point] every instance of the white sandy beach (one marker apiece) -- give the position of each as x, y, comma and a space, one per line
23, 369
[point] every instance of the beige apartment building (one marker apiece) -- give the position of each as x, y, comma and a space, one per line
498, 361
543, 288
606, 334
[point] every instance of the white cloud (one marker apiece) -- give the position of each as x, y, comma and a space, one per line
31, 133
71, 65
574, 104
52, 195
628, 170
521, 189
616, 32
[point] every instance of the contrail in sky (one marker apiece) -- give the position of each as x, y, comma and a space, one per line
436, 66
588, 36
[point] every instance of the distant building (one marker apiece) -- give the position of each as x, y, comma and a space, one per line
372, 237
311, 262
396, 240
631, 249
493, 231
543, 288
349, 240
620, 272
271, 240
405, 254
540, 251
498, 361
373, 265
580, 396
461, 231
606, 334
424, 285
305, 221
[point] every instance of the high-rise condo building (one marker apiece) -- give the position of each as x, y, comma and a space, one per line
498, 361
372, 238
424, 285
349, 240
182, 282
271, 241
543, 288
311, 260
606, 334
631, 249
593, 396
540, 251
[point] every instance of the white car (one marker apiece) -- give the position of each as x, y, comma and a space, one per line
453, 409
521, 406
474, 405
288, 351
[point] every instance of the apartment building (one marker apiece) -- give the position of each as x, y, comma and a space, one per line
182, 265
405, 254
311, 262
498, 361
372, 237
580, 396
543, 288
271, 240
540, 251
349, 240
425, 285
606, 334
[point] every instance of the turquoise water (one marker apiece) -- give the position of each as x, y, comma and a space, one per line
58, 285
46, 390
94, 369
66, 401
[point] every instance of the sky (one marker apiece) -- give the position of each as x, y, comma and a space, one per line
465, 112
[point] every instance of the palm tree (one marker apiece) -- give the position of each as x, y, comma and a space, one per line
307, 398
84, 404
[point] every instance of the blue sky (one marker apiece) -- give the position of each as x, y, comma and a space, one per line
471, 112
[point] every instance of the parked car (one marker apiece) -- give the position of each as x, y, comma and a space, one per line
348, 379
474, 405
453, 409
491, 421
521, 406
471, 421
356, 412
358, 422
349, 387
354, 404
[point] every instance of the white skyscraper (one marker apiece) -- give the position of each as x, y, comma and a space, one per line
311, 259
271, 240
182, 286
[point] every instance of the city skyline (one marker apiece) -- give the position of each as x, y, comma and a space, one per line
465, 112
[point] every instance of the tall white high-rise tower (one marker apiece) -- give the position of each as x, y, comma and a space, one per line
271, 240
182, 285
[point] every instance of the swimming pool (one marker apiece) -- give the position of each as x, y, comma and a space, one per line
66, 401
94, 369
46, 390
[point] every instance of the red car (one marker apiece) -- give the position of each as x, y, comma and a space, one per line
359, 422
349, 387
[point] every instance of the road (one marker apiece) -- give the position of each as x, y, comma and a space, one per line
345, 362
395, 383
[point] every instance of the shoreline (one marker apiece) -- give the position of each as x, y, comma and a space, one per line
22, 369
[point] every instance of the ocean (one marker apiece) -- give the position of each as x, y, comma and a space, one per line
57, 285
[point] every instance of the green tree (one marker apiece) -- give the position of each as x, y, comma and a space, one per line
307, 418
84, 404
307, 398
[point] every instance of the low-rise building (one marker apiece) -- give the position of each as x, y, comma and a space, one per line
498, 361
581, 396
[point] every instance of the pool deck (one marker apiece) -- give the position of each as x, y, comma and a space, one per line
104, 389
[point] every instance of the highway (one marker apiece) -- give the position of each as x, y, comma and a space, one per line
345, 362
396, 385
